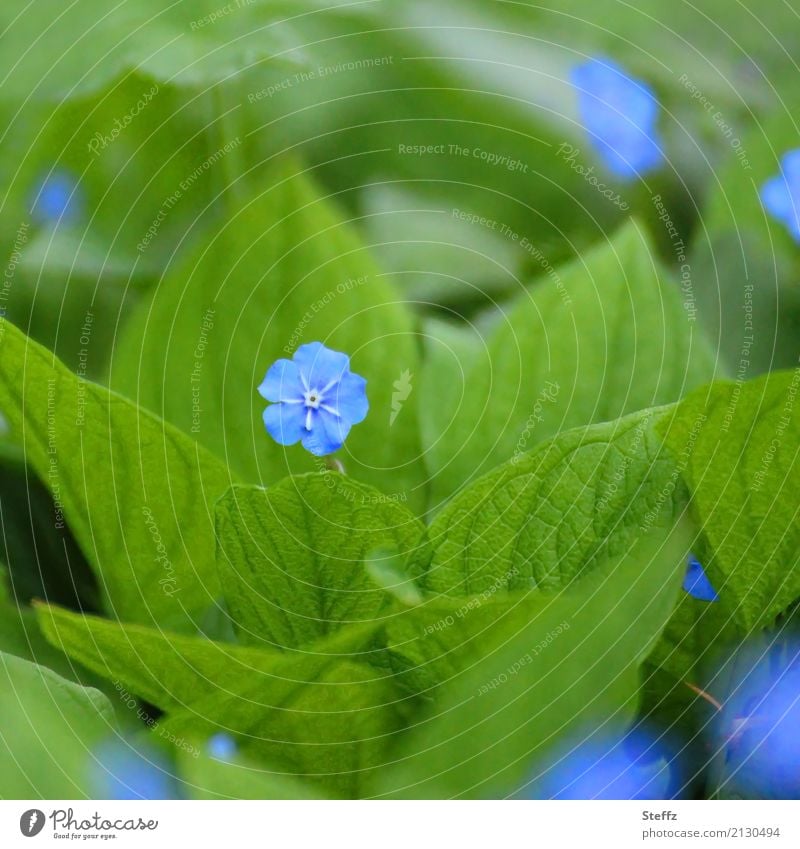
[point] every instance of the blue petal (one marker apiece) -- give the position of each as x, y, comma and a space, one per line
602, 767
282, 382
222, 746
619, 114
328, 433
791, 168
285, 423
320, 366
124, 771
349, 398
777, 198
696, 582
57, 198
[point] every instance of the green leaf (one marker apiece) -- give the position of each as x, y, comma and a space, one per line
62, 51
135, 492
738, 448
48, 723
284, 270
207, 778
557, 665
548, 518
291, 557
315, 712
603, 337
21, 636
333, 727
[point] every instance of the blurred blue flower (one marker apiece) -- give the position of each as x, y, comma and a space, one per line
619, 115
781, 195
57, 199
122, 770
222, 746
759, 726
696, 582
316, 399
615, 767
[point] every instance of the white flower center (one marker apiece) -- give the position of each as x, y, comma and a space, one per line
313, 398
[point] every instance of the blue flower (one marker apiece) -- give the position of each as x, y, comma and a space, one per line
606, 767
781, 195
121, 770
759, 723
57, 198
696, 582
222, 746
316, 399
619, 114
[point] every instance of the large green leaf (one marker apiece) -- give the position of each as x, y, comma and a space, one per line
333, 728
135, 492
48, 724
284, 270
291, 557
605, 336
549, 517
559, 665
171, 670
738, 448
314, 712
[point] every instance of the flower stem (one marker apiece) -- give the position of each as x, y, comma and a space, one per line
334, 465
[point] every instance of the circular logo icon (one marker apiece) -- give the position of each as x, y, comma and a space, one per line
31, 822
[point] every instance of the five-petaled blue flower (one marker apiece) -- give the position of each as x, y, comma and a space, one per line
758, 725
619, 114
781, 195
57, 198
316, 399
696, 582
